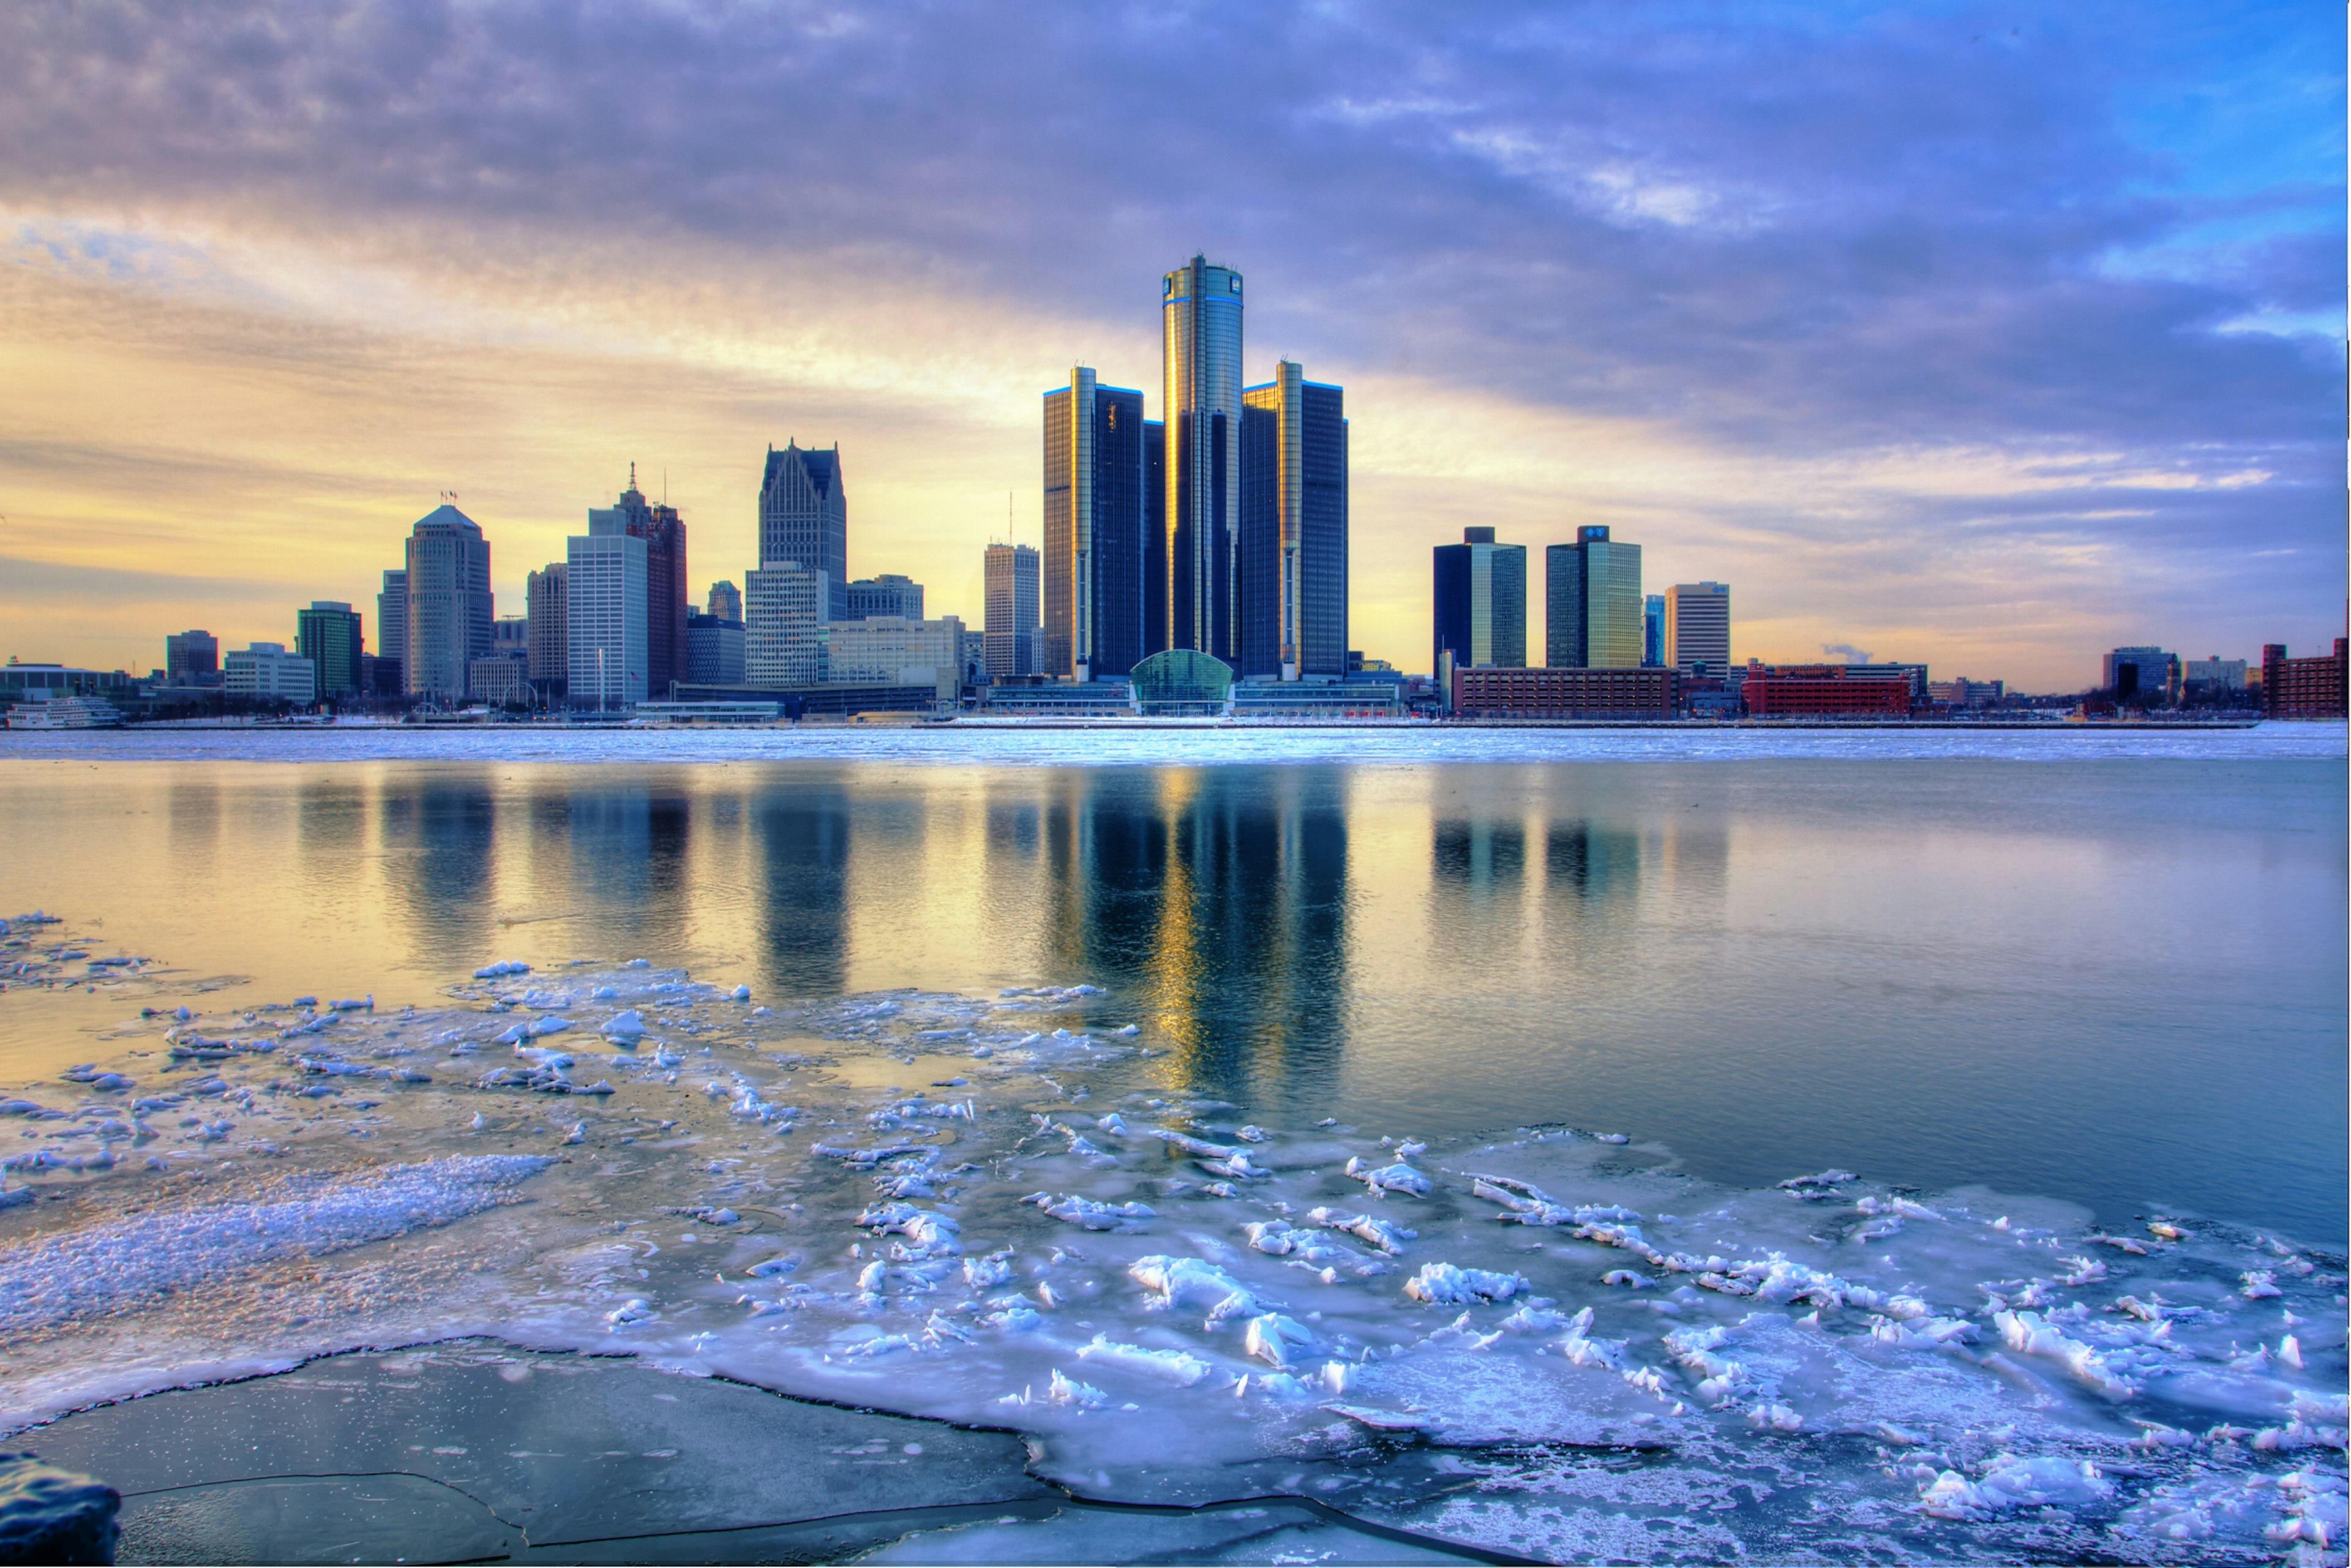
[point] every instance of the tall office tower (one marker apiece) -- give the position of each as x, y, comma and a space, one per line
726, 601
1094, 510
804, 517
1011, 574
392, 619
783, 634
1293, 540
327, 634
449, 610
1481, 602
1697, 627
191, 658
1201, 312
663, 532
547, 608
1155, 536
604, 613
1592, 603
888, 594
1653, 630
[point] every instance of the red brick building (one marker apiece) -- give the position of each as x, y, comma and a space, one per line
1564, 694
2303, 688
1825, 691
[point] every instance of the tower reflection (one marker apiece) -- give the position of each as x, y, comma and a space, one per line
801, 834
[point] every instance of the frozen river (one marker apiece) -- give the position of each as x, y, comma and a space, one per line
1423, 1130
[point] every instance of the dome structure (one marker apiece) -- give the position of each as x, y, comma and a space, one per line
1182, 681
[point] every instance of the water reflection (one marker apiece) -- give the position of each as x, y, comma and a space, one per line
803, 838
438, 839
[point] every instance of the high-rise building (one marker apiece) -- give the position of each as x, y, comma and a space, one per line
1155, 536
604, 613
663, 532
392, 618
1653, 630
1293, 527
1201, 315
1481, 602
783, 631
1592, 603
327, 634
714, 650
192, 659
2142, 674
1011, 576
549, 609
448, 606
1094, 511
888, 594
726, 601
804, 517
1697, 627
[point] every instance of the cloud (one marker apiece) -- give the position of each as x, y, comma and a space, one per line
1906, 288
1847, 651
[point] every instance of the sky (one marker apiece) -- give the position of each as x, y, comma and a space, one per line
1988, 336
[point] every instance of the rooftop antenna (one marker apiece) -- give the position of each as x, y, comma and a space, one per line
633, 473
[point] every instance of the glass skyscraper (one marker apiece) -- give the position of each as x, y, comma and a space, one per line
1095, 513
1481, 603
1292, 550
1009, 577
1201, 313
1592, 604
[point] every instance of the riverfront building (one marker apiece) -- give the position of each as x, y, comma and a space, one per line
448, 608
1697, 627
804, 517
604, 593
2303, 688
1095, 512
327, 634
1012, 624
1200, 317
1582, 693
784, 625
1592, 604
266, 671
192, 659
1832, 691
1481, 603
1293, 527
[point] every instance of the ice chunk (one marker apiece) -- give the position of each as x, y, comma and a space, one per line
1065, 1390
1444, 1284
2258, 1282
624, 1026
1092, 1216
1181, 1281
1176, 1366
741, 993
2030, 1333
494, 971
1818, 1179
1270, 1337
1389, 1238
1384, 1179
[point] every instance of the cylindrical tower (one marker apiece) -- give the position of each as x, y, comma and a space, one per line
1201, 308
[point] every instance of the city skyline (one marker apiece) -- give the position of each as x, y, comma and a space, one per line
1562, 286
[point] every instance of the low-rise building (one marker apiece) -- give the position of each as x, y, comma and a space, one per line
1828, 691
2303, 688
714, 650
265, 671
500, 679
1566, 693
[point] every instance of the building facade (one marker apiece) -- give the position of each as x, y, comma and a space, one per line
784, 624
1653, 630
1094, 509
1592, 604
1013, 576
500, 679
1557, 693
804, 517
1200, 317
2303, 688
392, 617
607, 651
547, 608
893, 651
448, 604
2213, 675
1697, 627
327, 634
1481, 603
1829, 691
1293, 527
267, 671
2142, 674
714, 650
888, 594
192, 659
726, 601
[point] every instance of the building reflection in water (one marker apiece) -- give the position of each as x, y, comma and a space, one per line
1216, 898
439, 833
800, 833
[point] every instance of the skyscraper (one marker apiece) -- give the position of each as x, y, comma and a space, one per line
392, 619
726, 601
1094, 511
1155, 536
804, 517
327, 634
1011, 573
1592, 604
1293, 530
192, 659
1697, 627
1653, 630
604, 605
1201, 314
548, 606
448, 603
783, 635
663, 532
1481, 602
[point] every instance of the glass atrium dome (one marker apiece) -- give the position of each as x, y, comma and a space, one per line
1182, 681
